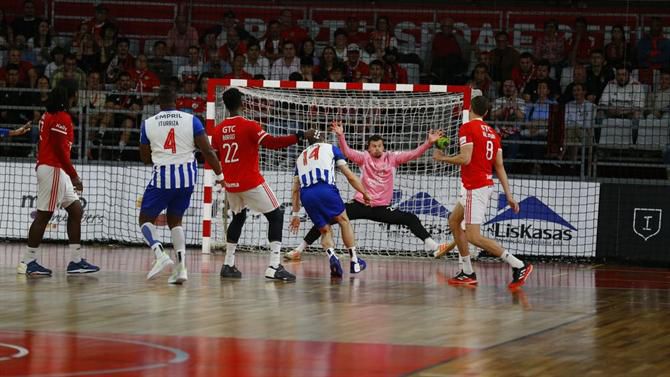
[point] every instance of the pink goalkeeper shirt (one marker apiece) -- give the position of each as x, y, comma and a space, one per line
377, 173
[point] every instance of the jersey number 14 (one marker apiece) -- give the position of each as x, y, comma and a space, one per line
314, 155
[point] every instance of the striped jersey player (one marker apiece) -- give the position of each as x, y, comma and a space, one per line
168, 140
314, 186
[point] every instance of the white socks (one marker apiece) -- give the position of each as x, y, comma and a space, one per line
429, 244
75, 252
29, 254
230, 254
352, 253
179, 243
275, 249
511, 260
302, 246
467, 265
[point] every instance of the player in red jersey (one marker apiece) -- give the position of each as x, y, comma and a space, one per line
57, 180
479, 153
237, 140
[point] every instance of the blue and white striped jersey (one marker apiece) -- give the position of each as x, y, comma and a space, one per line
171, 136
317, 164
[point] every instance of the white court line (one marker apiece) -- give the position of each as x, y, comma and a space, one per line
180, 356
21, 352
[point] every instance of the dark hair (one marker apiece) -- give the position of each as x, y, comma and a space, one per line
479, 105
622, 66
12, 67
543, 63
377, 62
598, 51
287, 42
295, 76
306, 61
123, 40
166, 96
157, 43
254, 43
501, 32
339, 31
232, 98
123, 74
623, 31
581, 20
59, 97
526, 55
574, 85
374, 138
552, 21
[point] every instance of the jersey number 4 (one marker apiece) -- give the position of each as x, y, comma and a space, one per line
170, 142
314, 155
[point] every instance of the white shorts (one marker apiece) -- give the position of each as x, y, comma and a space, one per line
260, 199
475, 203
54, 189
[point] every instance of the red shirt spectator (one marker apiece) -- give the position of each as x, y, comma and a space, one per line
145, 80
191, 102
234, 46
238, 69
289, 30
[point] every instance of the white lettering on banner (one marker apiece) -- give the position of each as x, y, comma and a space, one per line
558, 218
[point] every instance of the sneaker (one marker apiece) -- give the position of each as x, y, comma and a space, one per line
463, 279
292, 255
335, 267
519, 275
32, 268
279, 273
230, 272
357, 267
81, 267
159, 264
443, 249
179, 275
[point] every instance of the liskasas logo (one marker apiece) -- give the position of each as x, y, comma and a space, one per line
532, 209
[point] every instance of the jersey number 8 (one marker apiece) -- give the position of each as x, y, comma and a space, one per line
489, 150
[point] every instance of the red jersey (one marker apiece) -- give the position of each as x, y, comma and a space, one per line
145, 81
192, 104
237, 140
485, 145
56, 138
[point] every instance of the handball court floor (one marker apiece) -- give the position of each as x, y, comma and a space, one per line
397, 318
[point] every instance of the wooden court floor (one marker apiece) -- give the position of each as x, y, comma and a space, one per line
398, 318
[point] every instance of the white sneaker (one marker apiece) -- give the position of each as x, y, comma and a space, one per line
292, 255
179, 274
160, 263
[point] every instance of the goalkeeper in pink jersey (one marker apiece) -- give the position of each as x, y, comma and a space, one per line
377, 171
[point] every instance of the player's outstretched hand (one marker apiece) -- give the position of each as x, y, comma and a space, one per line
294, 226
22, 130
513, 204
433, 135
78, 186
336, 127
438, 155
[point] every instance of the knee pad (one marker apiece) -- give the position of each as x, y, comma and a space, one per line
276, 224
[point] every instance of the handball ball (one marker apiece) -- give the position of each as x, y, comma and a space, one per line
442, 142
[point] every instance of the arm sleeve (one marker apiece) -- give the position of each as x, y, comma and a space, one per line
356, 157
278, 142
405, 156
198, 128
143, 135
464, 136
338, 156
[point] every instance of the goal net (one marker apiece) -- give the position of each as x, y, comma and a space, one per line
401, 114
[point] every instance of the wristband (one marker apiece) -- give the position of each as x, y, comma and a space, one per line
296, 214
218, 177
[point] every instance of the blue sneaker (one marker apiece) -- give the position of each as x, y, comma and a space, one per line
81, 267
33, 269
335, 267
359, 266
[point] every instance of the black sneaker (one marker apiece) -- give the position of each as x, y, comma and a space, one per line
463, 279
279, 273
519, 275
230, 272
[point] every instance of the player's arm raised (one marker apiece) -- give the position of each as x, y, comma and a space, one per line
502, 176
406, 156
295, 203
355, 182
278, 142
356, 157
462, 158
